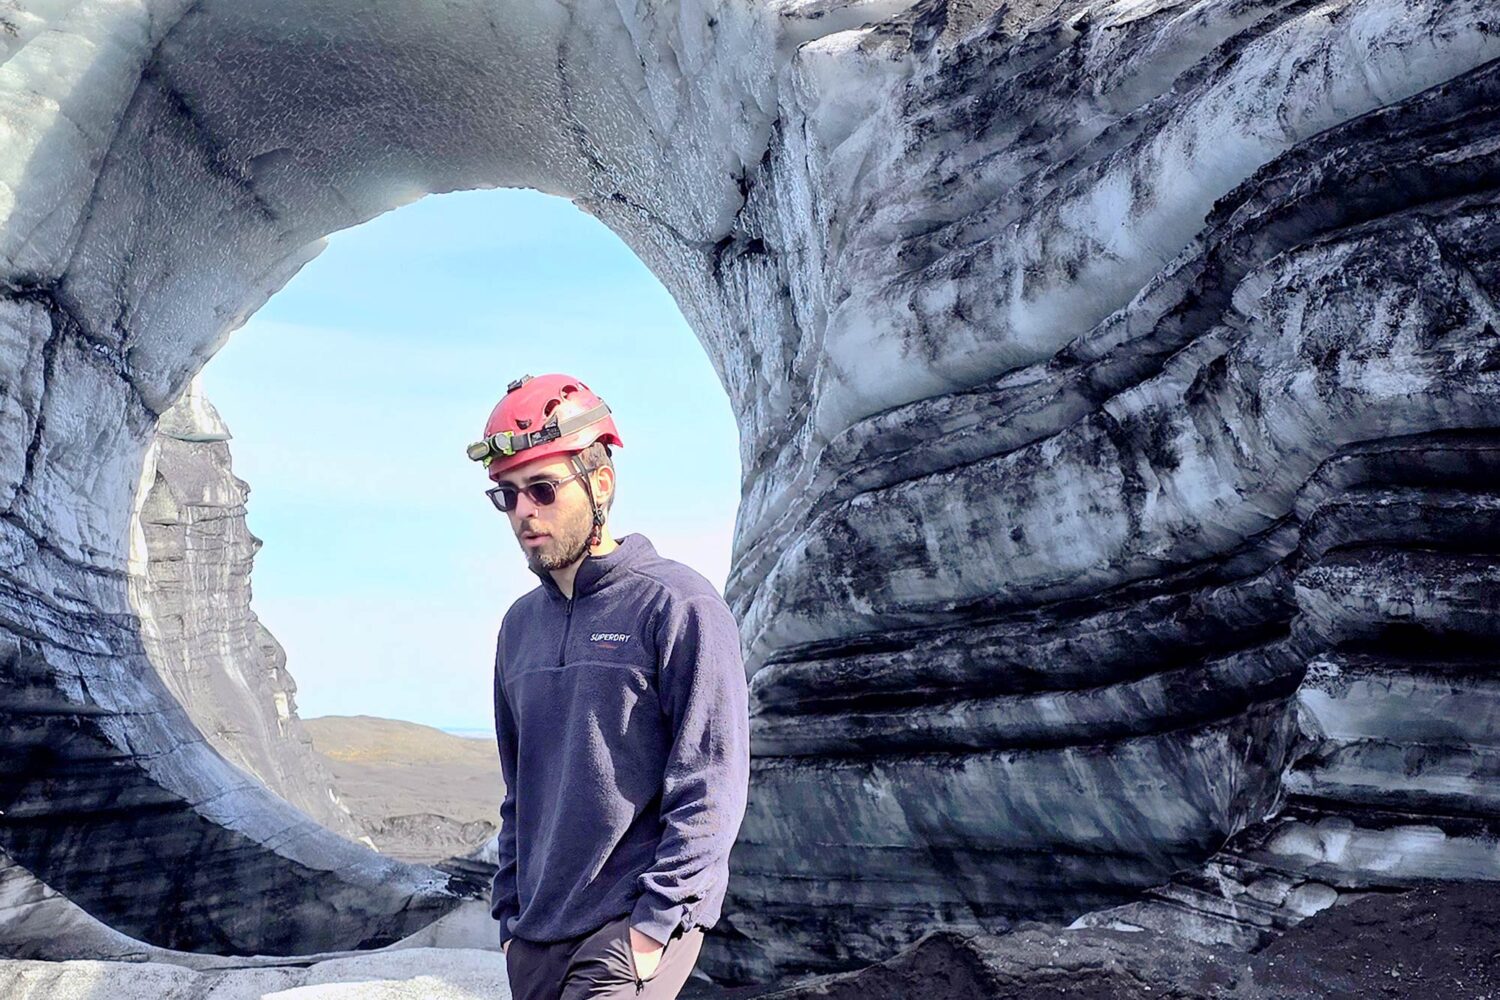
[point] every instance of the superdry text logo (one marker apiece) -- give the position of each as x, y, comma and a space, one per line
609, 637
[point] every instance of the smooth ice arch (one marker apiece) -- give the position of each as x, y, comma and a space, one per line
1100, 368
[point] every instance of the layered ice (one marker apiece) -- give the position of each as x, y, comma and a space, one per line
1099, 366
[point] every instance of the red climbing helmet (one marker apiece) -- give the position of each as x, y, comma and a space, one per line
548, 415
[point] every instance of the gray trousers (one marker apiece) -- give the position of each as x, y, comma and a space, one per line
599, 965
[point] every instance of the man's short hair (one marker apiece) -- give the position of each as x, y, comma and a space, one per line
597, 456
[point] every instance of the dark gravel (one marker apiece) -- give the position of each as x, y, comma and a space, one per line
1436, 943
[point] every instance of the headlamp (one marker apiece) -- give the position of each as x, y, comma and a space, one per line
498, 443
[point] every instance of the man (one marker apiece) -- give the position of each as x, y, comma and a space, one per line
621, 714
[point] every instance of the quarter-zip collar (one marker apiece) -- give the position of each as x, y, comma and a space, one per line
598, 572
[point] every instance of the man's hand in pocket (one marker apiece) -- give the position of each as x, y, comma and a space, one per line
647, 952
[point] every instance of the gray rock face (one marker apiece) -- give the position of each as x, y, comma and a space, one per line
191, 556
1117, 393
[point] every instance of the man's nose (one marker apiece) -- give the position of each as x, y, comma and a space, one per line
525, 506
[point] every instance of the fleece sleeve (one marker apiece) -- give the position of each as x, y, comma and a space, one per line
505, 903
705, 783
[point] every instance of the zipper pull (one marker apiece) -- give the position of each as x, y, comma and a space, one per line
639, 982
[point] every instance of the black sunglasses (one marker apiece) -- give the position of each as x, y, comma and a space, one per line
543, 493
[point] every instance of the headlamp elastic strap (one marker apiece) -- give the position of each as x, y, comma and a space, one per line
509, 442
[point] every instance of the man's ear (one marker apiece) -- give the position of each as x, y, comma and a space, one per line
606, 483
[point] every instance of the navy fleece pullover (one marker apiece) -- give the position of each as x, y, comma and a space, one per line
622, 717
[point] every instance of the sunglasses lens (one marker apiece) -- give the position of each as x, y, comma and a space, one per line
503, 497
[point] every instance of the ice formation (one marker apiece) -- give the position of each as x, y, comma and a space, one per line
1117, 394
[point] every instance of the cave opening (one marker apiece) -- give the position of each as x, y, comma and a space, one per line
180, 192
350, 671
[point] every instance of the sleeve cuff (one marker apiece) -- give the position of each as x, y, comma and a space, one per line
655, 919
506, 930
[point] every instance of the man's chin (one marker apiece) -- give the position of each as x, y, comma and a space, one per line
543, 558
551, 554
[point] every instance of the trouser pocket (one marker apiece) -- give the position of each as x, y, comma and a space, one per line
660, 959
515, 971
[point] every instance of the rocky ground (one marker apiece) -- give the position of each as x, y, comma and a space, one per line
1428, 943
420, 794
1432, 942
424, 794
412, 974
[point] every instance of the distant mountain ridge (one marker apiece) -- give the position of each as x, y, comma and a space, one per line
470, 732
420, 793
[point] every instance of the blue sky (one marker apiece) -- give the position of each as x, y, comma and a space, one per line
352, 393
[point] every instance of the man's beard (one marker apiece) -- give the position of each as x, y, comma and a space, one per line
564, 546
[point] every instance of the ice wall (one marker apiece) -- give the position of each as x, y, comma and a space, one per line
1099, 368
191, 553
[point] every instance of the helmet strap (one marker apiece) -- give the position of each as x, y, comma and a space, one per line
583, 475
